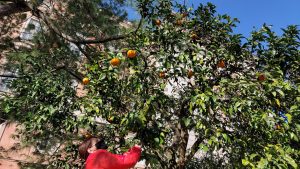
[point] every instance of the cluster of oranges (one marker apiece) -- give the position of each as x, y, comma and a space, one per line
114, 62
179, 21
133, 53
190, 74
261, 77
221, 64
130, 54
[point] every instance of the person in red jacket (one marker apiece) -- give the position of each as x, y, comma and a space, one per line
97, 157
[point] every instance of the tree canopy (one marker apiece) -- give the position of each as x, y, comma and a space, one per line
176, 73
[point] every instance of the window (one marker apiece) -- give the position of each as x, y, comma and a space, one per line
31, 27
4, 81
74, 49
3, 84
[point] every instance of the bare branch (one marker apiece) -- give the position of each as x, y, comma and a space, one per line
9, 76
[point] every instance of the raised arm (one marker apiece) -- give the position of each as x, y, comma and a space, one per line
132, 156
103, 159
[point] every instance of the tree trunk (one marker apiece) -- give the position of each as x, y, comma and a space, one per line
182, 136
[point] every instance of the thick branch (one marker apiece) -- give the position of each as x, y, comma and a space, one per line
84, 41
78, 77
108, 39
84, 52
194, 149
74, 74
13, 7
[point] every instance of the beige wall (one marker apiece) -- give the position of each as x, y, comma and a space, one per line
11, 152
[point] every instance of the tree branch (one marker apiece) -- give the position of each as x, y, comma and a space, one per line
74, 74
84, 41
10, 76
84, 52
63, 67
194, 149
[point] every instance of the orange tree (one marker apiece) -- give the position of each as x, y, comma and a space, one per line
182, 75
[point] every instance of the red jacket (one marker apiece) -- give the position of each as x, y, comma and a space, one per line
102, 159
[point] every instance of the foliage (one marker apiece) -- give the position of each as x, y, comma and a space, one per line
240, 99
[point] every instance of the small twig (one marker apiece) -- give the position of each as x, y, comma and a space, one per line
3, 119
83, 51
73, 74
9, 76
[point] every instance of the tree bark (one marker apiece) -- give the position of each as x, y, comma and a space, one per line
13, 7
182, 136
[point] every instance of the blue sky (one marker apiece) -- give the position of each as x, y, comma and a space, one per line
253, 13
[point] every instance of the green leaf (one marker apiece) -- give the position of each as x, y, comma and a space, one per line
252, 156
102, 76
237, 104
277, 102
294, 136
187, 121
294, 107
298, 126
225, 136
7, 109
269, 156
245, 162
156, 139
289, 117
262, 163
291, 161
203, 147
280, 92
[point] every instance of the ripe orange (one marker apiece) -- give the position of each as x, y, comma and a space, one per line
185, 14
162, 75
190, 73
88, 135
194, 36
261, 77
221, 64
131, 53
277, 126
115, 61
55, 45
157, 22
85, 81
110, 119
179, 22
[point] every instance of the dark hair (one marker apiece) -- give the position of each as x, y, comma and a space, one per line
101, 144
84, 146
